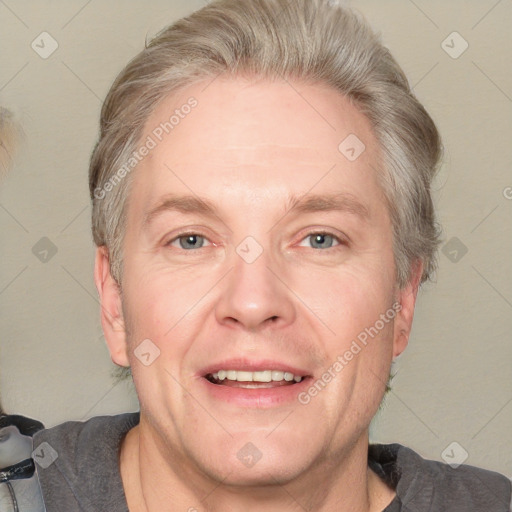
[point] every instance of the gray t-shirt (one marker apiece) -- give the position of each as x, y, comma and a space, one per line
78, 470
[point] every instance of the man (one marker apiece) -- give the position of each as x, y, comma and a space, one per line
262, 211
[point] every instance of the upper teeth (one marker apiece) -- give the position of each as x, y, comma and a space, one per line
263, 376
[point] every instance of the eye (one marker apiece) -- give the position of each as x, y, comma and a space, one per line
323, 240
188, 241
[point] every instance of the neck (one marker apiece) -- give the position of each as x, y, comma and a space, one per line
154, 481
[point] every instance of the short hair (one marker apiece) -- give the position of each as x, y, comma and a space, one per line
315, 41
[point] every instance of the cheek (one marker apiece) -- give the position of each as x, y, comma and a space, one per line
348, 300
358, 344
163, 307
149, 310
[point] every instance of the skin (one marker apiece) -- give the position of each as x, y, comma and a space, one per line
247, 146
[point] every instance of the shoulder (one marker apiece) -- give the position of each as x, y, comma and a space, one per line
80, 437
77, 463
76, 445
450, 487
74, 429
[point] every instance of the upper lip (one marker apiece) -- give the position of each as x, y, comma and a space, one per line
252, 365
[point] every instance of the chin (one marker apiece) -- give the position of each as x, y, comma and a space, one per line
242, 462
262, 474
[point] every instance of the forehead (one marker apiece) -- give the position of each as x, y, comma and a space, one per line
254, 136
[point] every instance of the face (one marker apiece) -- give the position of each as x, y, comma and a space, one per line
279, 278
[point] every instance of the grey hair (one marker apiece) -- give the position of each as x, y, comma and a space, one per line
315, 41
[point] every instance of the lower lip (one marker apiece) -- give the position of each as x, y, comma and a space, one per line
256, 397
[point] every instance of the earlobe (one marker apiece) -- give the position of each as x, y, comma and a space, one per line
403, 320
112, 319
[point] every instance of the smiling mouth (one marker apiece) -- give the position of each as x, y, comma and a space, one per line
254, 380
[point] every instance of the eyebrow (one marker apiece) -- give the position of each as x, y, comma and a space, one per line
327, 202
308, 203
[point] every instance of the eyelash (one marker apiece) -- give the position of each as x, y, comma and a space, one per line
340, 240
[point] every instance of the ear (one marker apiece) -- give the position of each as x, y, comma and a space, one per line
112, 319
403, 321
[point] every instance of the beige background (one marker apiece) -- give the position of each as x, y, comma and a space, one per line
454, 382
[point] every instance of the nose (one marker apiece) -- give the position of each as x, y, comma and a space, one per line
255, 295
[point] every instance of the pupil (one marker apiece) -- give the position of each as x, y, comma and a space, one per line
322, 240
188, 242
